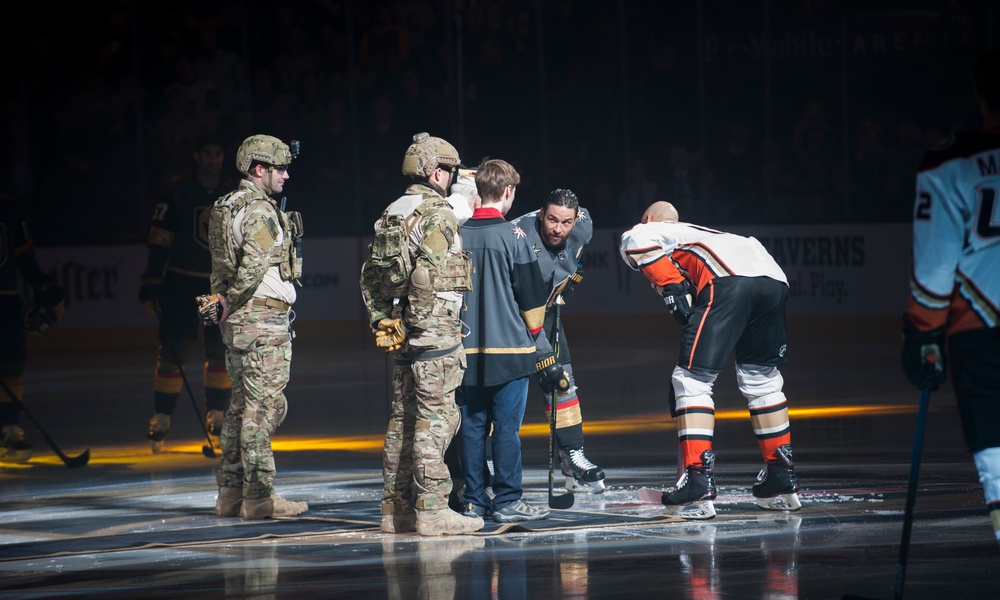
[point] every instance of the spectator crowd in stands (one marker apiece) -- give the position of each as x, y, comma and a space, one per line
614, 104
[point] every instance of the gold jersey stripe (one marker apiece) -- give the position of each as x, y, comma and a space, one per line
527, 350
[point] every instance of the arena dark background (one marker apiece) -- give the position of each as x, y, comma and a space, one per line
831, 101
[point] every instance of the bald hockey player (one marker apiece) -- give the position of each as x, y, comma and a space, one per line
728, 294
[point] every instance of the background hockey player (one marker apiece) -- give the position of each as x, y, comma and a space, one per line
255, 267
558, 233
47, 303
728, 294
177, 269
955, 279
412, 285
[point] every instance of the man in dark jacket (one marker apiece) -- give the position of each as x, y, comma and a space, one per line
506, 343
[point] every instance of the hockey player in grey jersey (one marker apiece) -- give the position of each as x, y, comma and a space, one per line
558, 233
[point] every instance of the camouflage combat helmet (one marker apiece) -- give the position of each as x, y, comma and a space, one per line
426, 153
263, 148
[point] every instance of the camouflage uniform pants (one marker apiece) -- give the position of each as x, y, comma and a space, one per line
423, 421
258, 359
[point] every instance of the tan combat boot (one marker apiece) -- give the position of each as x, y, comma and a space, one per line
446, 522
272, 506
397, 518
229, 502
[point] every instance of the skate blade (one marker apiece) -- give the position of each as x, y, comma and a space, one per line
694, 511
159, 446
584, 487
780, 502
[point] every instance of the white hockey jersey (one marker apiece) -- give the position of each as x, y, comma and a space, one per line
955, 277
668, 252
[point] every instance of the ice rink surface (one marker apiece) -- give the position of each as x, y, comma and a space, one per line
133, 524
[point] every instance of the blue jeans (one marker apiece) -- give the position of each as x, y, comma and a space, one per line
503, 406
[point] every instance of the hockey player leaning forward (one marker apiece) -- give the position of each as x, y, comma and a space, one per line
254, 265
728, 293
557, 233
412, 286
955, 281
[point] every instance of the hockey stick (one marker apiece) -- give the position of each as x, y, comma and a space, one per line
562, 501
911, 497
70, 461
206, 449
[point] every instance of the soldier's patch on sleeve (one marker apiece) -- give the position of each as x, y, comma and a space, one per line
264, 236
437, 242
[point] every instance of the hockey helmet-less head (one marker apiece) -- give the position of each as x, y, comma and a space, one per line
426, 153
262, 148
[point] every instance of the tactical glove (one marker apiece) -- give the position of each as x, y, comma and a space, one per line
212, 308
551, 376
677, 297
391, 334
924, 357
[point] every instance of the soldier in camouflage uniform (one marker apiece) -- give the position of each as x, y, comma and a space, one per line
254, 265
412, 285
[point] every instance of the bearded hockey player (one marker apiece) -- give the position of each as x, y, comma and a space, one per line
558, 233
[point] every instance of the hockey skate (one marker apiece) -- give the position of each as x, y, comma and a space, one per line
15, 448
159, 429
213, 424
777, 485
692, 497
581, 475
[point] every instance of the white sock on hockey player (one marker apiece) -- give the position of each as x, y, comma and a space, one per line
988, 465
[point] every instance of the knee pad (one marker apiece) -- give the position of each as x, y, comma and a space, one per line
757, 381
689, 384
988, 465
701, 400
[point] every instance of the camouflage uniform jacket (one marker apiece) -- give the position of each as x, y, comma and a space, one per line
430, 302
239, 268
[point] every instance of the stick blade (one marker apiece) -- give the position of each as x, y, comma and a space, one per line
562, 501
208, 451
74, 462
649, 495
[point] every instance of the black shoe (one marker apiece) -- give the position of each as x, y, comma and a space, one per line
474, 510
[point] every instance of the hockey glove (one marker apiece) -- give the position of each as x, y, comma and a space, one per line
212, 308
923, 357
574, 279
48, 303
150, 292
551, 376
391, 334
677, 297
